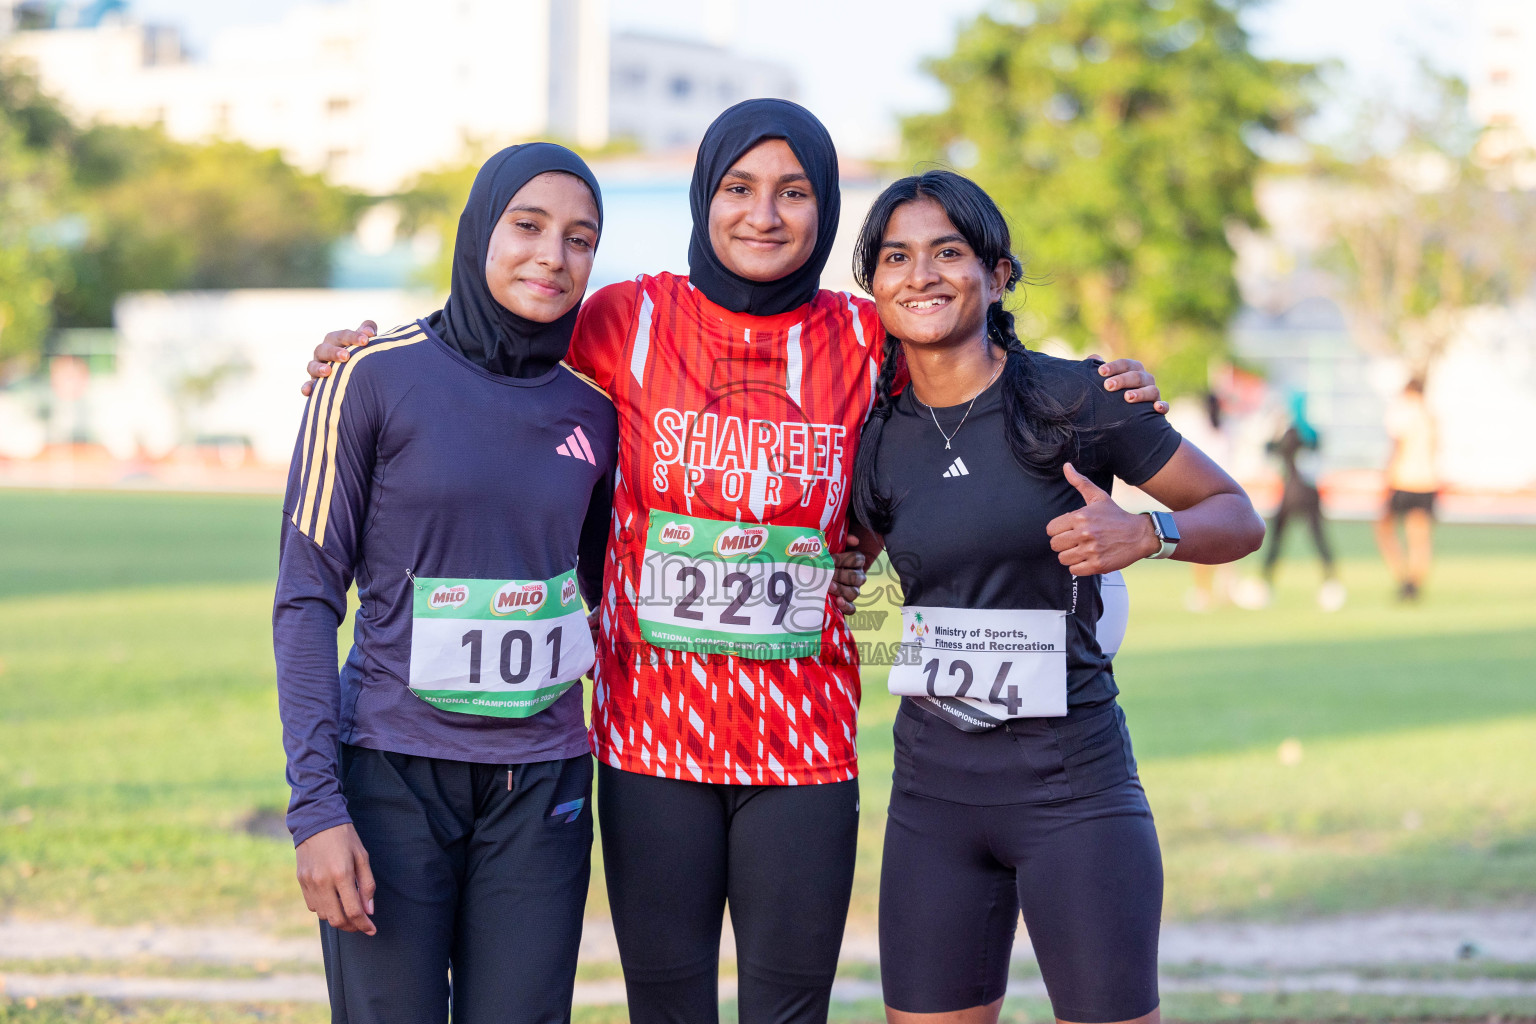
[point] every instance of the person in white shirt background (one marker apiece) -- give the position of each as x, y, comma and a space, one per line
1412, 485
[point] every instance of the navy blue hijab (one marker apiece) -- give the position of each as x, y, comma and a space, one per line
734, 132
472, 321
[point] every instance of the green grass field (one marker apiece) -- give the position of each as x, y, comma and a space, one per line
141, 766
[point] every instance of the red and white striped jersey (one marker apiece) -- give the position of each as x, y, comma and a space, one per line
738, 418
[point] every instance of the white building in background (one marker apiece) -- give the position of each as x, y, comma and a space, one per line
1503, 81
664, 92
370, 92
170, 387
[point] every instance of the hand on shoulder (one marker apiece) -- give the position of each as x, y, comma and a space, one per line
1131, 378
334, 349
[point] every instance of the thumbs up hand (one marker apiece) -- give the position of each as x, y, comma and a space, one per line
1101, 536
1092, 493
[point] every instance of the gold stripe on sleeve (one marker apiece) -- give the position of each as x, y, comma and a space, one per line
316, 398
306, 510
333, 427
594, 385
403, 331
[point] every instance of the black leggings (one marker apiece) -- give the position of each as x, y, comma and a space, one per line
473, 874
676, 852
1299, 502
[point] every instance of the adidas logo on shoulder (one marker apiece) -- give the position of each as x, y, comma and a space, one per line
956, 468
577, 447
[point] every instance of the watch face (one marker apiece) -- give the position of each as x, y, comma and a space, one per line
1167, 527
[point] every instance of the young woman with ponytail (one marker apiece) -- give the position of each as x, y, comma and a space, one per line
987, 479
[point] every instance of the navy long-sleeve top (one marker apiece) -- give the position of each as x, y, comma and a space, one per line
413, 462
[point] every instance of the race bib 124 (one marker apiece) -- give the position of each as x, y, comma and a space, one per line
999, 663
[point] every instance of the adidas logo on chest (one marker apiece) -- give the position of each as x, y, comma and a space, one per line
577, 446
956, 469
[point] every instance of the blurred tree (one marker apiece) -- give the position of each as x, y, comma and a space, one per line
164, 215
88, 214
432, 205
1117, 135
33, 172
1427, 220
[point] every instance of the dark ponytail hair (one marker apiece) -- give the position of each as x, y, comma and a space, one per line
1041, 434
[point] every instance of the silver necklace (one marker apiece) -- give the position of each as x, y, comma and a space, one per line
950, 437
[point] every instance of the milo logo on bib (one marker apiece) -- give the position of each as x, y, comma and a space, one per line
805, 547
737, 541
448, 597
568, 591
676, 533
519, 597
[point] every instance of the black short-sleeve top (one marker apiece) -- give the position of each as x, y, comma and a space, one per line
969, 531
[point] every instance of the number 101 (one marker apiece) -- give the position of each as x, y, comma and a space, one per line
519, 638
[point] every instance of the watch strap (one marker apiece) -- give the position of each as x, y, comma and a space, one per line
1167, 534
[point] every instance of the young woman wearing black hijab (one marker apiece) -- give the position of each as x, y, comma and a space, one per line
460, 473
725, 701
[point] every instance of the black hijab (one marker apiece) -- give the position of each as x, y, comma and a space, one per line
472, 321
733, 133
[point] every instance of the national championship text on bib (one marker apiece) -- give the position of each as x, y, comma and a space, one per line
999, 664
752, 590
504, 648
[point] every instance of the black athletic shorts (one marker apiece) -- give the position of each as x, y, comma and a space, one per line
1086, 871
1402, 502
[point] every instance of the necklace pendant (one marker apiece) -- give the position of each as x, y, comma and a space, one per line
946, 446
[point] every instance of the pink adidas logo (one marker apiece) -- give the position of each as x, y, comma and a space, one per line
577, 447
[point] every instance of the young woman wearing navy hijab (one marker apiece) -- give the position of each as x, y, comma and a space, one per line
726, 744
987, 478
460, 473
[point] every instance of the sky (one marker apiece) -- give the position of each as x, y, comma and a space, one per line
860, 72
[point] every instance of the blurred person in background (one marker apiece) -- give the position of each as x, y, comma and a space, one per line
1413, 482
461, 473
1297, 447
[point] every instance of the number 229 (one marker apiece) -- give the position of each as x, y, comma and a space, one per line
780, 590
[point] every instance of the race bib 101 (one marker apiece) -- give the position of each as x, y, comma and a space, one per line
997, 663
503, 648
752, 590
